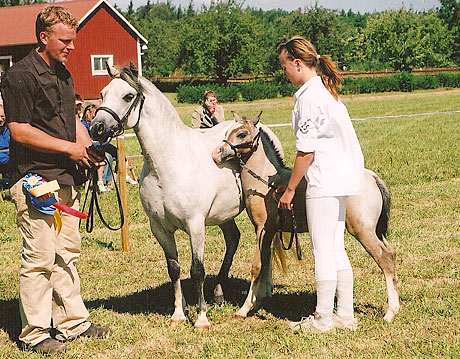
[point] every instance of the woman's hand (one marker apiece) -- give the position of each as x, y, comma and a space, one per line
285, 201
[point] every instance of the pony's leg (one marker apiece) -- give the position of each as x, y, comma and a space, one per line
232, 238
383, 254
248, 304
263, 286
168, 243
196, 232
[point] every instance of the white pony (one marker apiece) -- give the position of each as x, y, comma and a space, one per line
180, 185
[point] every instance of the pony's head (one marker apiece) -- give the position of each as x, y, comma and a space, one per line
240, 139
122, 102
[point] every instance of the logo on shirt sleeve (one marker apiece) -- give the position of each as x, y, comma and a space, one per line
303, 127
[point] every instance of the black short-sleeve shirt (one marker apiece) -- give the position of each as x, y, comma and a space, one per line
44, 97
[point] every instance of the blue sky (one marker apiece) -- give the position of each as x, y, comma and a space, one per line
356, 5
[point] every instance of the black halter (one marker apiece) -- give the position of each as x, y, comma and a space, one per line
120, 122
253, 145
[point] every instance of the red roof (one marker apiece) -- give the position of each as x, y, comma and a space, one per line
17, 23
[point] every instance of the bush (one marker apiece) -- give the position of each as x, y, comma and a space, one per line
229, 93
258, 90
448, 80
194, 94
406, 81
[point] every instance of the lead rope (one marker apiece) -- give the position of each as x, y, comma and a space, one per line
92, 188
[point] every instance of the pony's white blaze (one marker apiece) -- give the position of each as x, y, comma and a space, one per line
180, 185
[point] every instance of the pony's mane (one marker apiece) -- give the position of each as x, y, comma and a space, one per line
272, 149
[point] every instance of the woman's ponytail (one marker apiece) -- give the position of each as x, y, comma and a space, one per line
300, 48
330, 74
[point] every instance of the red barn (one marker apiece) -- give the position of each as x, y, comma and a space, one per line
103, 36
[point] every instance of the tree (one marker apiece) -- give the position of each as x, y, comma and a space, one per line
449, 12
158, 23
221, 41
318, 25
405, 40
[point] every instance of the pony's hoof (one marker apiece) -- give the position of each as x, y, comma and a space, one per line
203, 327
239, 318
389, 316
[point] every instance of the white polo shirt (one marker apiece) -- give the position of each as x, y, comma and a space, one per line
321, 124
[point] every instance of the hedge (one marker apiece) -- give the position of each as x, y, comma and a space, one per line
280, 86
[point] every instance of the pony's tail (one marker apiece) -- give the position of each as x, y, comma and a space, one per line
279, 255
382, 223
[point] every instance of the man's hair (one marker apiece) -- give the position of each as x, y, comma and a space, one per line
52, 15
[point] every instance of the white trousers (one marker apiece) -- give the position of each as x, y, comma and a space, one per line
326, 224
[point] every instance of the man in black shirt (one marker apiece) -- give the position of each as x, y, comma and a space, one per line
47, 141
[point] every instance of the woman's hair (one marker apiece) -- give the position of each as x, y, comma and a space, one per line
52, 15
298, 47
207, 94
87, 109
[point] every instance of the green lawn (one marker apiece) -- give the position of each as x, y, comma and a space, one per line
418, 157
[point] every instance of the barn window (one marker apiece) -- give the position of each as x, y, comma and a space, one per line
99, 62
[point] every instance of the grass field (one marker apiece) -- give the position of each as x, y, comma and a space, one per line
418, 157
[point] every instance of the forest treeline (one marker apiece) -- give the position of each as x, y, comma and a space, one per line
226, 39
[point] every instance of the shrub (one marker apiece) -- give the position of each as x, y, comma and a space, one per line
229, 93
448, 80
426, 82
406, 81
190, 94
258, 90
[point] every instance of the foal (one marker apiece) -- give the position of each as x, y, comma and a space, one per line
263, 170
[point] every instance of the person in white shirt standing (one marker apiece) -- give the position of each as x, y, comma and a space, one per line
330, 158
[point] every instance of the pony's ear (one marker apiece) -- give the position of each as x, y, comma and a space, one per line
256, 119
134, 69
235, 116
113, 72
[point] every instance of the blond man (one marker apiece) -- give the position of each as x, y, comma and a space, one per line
48, 141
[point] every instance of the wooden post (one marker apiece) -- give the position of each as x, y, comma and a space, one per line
123, 191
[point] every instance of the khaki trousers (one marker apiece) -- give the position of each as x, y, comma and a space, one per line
49, 287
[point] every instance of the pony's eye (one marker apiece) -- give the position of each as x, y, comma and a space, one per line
242, 135
128, 97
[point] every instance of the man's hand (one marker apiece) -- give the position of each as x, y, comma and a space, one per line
79, 153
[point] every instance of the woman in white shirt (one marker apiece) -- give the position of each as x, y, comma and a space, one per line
330, 158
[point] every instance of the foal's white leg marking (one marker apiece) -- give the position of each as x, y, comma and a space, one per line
248, 303
178, 314
202, 321
393, 299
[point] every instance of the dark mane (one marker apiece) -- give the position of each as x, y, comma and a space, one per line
271, 149
283, 172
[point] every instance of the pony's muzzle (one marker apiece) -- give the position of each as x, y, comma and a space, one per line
99, 131
217, 155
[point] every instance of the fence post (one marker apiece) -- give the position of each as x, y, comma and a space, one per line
123, 191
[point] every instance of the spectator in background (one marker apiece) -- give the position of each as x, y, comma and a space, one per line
78, 105
209, 114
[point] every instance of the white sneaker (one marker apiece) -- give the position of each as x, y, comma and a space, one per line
310, 324
340, 323
100, 187
130, 180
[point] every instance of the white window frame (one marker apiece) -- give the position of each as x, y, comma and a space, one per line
95, 72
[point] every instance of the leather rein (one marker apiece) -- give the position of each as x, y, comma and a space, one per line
253, 145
